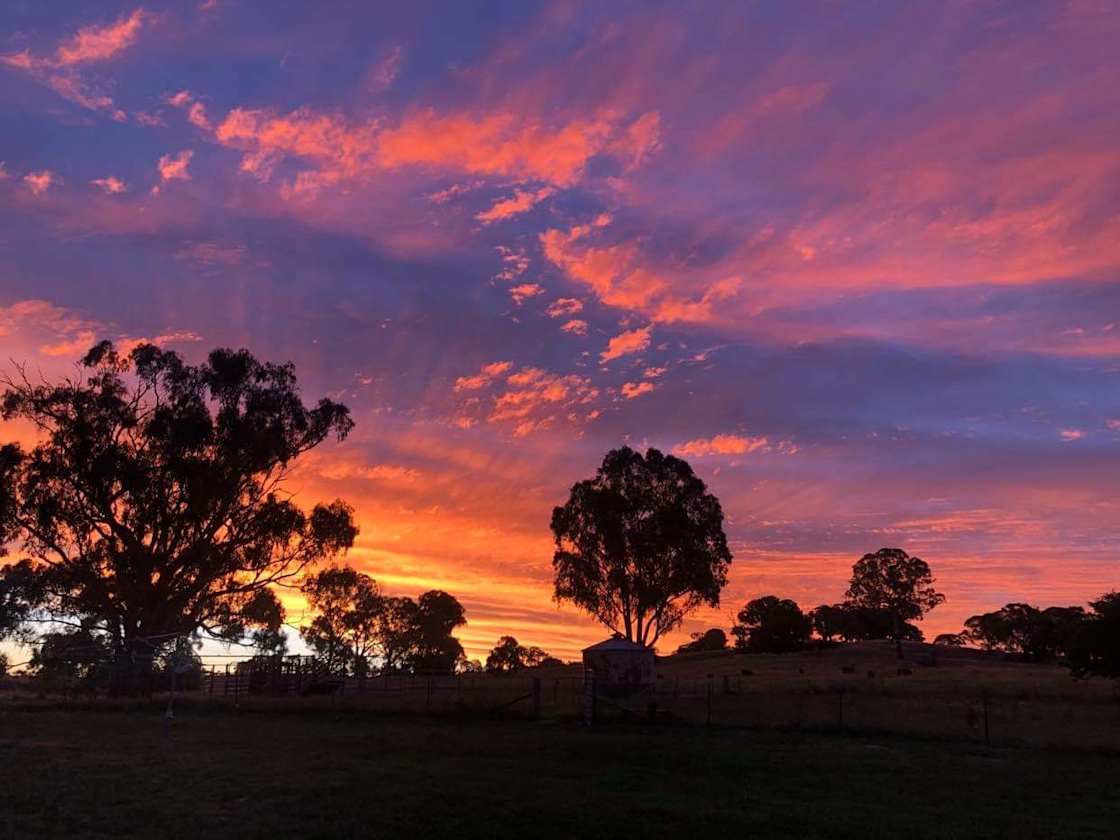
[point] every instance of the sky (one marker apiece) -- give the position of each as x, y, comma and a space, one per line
856, 262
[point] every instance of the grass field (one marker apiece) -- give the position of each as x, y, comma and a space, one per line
228, 773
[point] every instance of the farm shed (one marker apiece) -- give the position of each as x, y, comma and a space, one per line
620, 666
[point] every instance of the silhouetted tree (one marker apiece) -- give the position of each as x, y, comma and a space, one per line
1096, 649
344, 631
771, 625
1059, 629
268, 642
470, 666
505, 656
432, 649
829, 621
153, 507
640, 545
72, 656
892, 580
508, 656
714, 639
1026, 630
949, 639
397, 632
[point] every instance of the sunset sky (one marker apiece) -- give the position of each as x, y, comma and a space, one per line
859, 263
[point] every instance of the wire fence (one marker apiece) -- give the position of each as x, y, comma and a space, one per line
992, 715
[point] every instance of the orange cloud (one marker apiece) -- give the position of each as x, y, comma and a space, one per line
174, 168
563, 307
110, 185
524, 291
89, 45
100, 43
521, 202
625, 343
534, 398
530, 398
630, 390
497, 144
483, 378
722, 445
575, 327
618, 276
500, 144
39, 182
196, 115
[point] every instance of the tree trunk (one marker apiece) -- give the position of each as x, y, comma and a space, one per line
131, 670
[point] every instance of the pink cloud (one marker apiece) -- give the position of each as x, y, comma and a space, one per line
196, 115
174, 167
626, 343
630, 390
620, 277
39, 182
563, 307
525, 291
100, 43
498, 144
483, 378
89, 45
110, 185
722, 445
521, 202
575, 327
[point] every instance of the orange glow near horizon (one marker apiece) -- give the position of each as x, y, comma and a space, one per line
861, 270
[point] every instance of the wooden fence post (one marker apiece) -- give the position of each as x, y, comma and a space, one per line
588, 697
984, 702
709, 702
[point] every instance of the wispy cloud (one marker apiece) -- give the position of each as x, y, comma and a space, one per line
627, 343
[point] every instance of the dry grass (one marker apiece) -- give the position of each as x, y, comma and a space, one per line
244, 773
861, 688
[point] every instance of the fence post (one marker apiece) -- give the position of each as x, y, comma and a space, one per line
212, 668
709, 702
428, 701
588, 697
840, 699
536, 697
984, 702
225, 682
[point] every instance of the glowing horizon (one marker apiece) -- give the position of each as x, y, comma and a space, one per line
859, 268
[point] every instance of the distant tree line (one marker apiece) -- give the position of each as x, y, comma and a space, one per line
357, 629
152, 514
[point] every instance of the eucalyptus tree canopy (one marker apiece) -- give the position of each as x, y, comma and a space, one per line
153, 504
640, 545
893, 581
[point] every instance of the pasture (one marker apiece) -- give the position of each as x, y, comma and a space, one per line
220, 771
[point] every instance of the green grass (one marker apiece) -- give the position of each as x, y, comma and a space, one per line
228, 773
